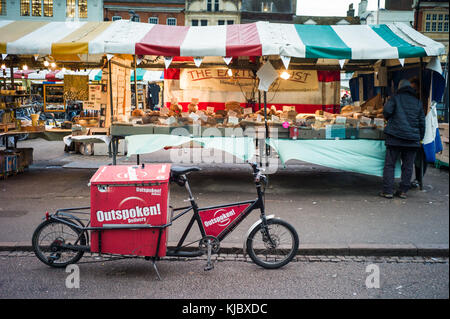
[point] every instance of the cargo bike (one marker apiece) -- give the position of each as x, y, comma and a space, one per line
128, 218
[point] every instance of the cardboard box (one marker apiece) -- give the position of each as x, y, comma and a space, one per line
369, 133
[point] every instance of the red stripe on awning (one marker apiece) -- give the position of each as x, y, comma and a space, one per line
162, 40
243, 40
22, 73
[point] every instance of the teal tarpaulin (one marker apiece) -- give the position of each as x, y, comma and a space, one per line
141, 75
241, 147
359, 156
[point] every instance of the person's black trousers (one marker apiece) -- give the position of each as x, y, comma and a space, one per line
407, 156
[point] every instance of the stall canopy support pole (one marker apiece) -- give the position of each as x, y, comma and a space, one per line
113, 141
420, 178
135, 84
265, 124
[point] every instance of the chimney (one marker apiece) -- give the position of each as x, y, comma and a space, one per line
362, 7
350, 11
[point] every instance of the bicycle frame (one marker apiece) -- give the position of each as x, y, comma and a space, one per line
230, 221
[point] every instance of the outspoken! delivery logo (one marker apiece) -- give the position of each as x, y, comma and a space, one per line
134, 213
221, 217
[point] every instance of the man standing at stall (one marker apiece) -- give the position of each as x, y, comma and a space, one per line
404, 132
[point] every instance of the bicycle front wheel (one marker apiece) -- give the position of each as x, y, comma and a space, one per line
274, 246
48, 238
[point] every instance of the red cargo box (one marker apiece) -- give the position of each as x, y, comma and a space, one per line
130, 195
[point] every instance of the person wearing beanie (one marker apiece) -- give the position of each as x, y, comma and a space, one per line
404, 132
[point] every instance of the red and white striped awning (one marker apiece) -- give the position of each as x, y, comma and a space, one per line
392, 41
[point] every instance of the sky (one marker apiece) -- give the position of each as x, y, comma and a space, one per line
332, 7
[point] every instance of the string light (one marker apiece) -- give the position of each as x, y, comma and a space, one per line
229, 72
25, 67
46, 63
3, 66
285, 75
53, 65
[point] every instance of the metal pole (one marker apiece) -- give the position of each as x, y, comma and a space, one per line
135, 84
378, 13
265, 123
420, 178
114, 148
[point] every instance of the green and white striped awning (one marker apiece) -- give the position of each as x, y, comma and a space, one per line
358, 42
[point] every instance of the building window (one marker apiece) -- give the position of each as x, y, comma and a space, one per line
36, 8
194, 23
70, 8
153, 20
171, 21
435, 22
24, 7
82, 9
230, 22
204, 23
445, 26
209, 5
115, 18
48, 8
2, 7
221, 22
216, 5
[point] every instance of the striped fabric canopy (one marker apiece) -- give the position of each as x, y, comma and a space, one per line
391, 41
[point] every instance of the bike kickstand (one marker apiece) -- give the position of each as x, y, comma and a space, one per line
156, 270
209, 264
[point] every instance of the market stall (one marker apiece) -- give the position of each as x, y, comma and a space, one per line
251, 57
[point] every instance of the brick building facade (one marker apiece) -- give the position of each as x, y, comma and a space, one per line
169, 12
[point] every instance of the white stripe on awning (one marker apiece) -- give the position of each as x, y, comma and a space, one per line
40, 41
120, 37
365, 43
431, 47
268, 38
291, 44
210, 41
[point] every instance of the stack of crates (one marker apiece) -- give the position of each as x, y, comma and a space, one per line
8, 163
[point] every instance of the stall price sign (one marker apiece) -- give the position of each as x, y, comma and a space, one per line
91, 106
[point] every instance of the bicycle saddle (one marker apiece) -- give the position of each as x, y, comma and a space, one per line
181, 170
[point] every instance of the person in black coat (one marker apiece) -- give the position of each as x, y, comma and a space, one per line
404, 132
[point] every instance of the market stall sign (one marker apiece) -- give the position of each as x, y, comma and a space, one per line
244, 80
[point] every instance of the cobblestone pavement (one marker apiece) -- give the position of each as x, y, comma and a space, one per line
93, 257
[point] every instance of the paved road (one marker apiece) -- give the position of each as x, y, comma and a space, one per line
23, 276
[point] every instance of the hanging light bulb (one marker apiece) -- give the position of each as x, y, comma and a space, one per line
25, 67
46, 63
3, 66
229, 72
285, 75
53, 65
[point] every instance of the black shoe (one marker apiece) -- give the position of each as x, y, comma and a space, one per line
415, 184
400, 194
382, 194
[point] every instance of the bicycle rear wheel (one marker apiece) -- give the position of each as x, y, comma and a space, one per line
48, 238
273, 247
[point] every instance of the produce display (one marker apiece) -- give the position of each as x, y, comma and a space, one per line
354, 121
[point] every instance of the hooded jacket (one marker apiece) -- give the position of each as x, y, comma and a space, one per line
405, 117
